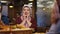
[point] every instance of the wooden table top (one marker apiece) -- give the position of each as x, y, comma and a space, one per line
7, 30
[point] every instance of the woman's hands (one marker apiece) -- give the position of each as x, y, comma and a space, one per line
26, 19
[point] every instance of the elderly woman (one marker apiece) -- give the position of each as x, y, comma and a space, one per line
1, 22
26, 19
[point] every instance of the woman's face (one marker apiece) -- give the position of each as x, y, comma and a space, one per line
26, 11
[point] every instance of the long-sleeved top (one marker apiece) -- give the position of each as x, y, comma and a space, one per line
34, 24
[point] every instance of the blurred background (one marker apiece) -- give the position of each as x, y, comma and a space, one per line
41, 10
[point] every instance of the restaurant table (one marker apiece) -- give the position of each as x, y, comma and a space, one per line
16, 31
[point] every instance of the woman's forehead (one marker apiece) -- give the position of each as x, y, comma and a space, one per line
26, 8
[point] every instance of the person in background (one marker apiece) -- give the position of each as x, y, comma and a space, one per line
17, 17
26, 19
1, 22
5, 19
55, 20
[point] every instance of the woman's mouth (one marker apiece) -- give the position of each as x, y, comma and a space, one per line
26, 13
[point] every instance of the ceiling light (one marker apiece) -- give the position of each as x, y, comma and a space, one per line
44, 8
11, 6
3, 1
30, 0
30, 3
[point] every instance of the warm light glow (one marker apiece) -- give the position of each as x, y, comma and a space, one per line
30, 0
30, 3
3, 1
44, 8
11, 6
